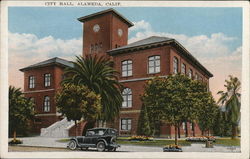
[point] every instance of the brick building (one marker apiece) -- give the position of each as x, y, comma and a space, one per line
106, 33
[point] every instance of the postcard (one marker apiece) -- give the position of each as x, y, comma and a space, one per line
124, 79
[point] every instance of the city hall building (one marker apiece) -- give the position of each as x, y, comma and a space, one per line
106, 33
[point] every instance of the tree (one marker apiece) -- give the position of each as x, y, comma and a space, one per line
77, 101
170, 100
231, 100
177, 99
21, 111
208, 111
143, 123
98, 75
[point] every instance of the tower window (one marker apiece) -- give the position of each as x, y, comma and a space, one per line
127, 68
127, 98
154, 64
31, 81
47, 80
91, 48
46, 105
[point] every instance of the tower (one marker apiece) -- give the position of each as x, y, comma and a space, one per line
103, 31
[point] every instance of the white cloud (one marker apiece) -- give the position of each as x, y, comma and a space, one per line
212, 51
27, 49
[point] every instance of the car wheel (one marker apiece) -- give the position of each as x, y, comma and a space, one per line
72, 145
100, 146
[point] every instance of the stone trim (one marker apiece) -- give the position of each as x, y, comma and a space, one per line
50, 114
37, 91
138, 79
130, 111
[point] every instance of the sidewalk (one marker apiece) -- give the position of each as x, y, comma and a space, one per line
195, 147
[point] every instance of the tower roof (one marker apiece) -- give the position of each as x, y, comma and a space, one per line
54, 61
111, 10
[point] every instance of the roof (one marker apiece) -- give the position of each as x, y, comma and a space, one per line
147, 41
54, 61
156, 41
111, 10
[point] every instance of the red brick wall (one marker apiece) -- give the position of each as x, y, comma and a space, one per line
43, 119
78, 130
107, 35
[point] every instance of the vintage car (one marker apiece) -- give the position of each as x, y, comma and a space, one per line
100, 138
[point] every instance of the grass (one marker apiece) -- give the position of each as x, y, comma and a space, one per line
161, 143
227, 142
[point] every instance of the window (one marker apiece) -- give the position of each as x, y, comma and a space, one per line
32, 99
46, 104
190, 73
126, 68
154, 64
31, 81
175, 65
183, 68
196, 76
91, 48
47, 79
127, 98
126, 124
96, 47
183, 125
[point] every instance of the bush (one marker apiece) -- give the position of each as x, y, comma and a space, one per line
14, 142
140, 138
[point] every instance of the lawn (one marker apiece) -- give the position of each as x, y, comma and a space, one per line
227, 142
161, 143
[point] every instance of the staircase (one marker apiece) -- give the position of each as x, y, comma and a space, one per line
58, 129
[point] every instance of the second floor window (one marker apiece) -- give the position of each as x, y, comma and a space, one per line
46, 105
31, 81
183, 68
127, 68
175, 65
190, 73
196, 76
154, 64
47, 79
127, 98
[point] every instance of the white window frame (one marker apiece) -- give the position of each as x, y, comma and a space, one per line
153, 67
127, 68
190, 73
32, 81
126, 124
183, 68
47, 79
46, 104
127, 96
175, 65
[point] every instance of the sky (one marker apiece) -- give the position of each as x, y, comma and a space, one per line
212, 35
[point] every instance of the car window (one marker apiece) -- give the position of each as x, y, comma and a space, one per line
99, 132
90, 133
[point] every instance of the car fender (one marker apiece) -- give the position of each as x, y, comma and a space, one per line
103, 141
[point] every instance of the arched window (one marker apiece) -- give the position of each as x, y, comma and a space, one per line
183, 68
127, 68
175, 65
154, 64
190, 73
46, 105
127, 98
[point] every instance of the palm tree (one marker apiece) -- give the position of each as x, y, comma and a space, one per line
97, 73
231, 100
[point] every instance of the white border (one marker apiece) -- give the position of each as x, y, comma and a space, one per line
245, 87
